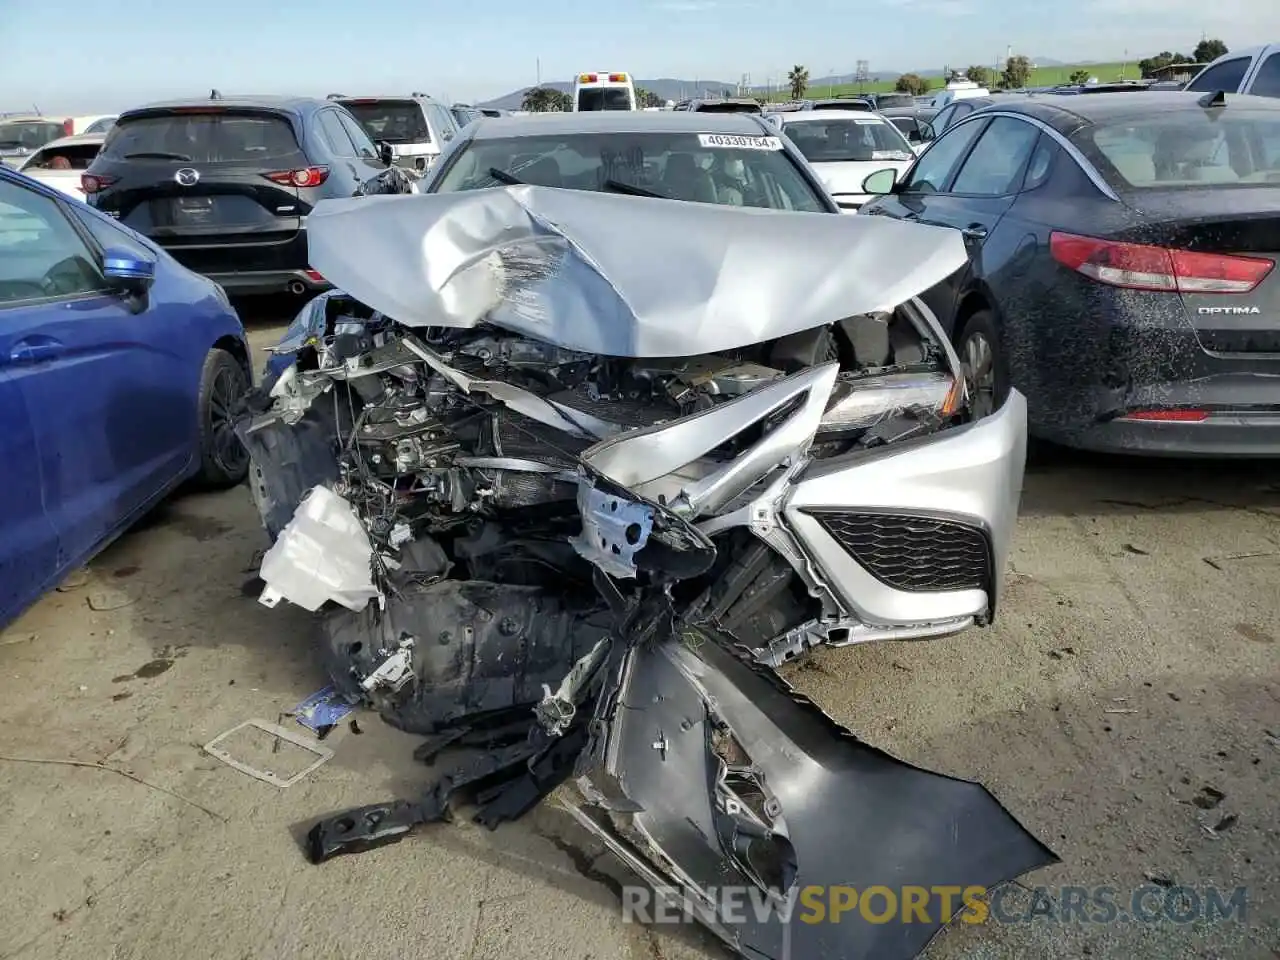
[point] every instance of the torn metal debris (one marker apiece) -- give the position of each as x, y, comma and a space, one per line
529, 468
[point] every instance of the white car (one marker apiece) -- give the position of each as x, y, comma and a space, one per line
60, 163
844, 147
1255, 71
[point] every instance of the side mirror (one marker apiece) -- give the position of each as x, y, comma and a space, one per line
881, 182
386, 153
128, 271
927, 133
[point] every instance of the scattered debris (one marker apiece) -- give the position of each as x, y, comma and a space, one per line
104, 601
1217, 562
355, 727
1130, 548
121, 696
1120, 710
1256, 634
152, 668
324, 709
1159, 879
1226, 823
1208, 797
1174, 697
74, 580
21, 638
322, 754
91, 765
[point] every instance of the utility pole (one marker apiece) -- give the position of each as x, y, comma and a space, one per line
539, 70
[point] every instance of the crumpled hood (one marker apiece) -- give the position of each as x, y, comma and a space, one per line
618, 275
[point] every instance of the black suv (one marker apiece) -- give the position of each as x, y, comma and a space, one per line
225, 184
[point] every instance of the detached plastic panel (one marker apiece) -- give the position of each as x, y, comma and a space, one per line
322, 554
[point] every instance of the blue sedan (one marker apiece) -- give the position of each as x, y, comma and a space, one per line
119, 371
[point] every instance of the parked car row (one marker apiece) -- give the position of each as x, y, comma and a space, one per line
22, 135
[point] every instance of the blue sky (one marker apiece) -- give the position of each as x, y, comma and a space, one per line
112, 54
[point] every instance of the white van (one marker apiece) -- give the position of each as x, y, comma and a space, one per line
1255, 71
603, 91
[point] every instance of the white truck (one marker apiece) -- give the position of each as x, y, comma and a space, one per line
1255, 71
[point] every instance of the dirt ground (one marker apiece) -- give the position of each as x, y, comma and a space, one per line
1126, 708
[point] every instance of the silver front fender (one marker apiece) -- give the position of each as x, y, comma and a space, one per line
970, 476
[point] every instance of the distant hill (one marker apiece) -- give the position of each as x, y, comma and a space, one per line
666, 88
669, 88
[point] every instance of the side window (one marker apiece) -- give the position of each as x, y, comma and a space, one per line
335, 135
932, 171
364, 146
1225, 77
962, 110
108, 235
442, 120
42, 257
1041, 163
943, 118
1266, 82
994, 166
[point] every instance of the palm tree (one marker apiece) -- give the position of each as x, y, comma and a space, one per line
799, 80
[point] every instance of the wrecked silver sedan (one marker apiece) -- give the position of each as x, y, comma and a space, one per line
564, 475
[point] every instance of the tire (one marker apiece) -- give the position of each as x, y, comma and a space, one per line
988, 387
224, 462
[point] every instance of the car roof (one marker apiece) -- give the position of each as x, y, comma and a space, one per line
617, 121
1068, 114
284, 104
30, 118
341, 97
86, 138
801, 116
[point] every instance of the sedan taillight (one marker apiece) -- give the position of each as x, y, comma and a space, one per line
1139, 266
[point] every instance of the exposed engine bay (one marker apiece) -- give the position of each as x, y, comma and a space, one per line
521, 514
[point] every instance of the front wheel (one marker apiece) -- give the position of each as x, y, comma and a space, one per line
986, 375
224, 462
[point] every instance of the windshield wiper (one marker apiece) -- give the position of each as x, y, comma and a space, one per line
631, 190
503, 177
156, 155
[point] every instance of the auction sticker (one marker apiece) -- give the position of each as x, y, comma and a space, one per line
739, 143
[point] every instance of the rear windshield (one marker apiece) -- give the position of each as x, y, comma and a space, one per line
860, 105
67, 156
604, 98
886, 100
852, 138
740, 171
28, 134
728, 107
395, 121
1195, 148
225, 136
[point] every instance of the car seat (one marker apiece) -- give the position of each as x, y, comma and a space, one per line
685, 180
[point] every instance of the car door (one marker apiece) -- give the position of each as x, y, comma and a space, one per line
29, 546
334, 134
108, 392
978, 194
927, 179
375, 176
1265, 81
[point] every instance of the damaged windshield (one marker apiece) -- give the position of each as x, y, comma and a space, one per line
708, 168
848, 138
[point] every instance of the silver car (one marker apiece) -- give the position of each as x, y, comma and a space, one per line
566, 472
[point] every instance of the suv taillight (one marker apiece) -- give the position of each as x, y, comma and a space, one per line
1138, 266
90, 183
304, 177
